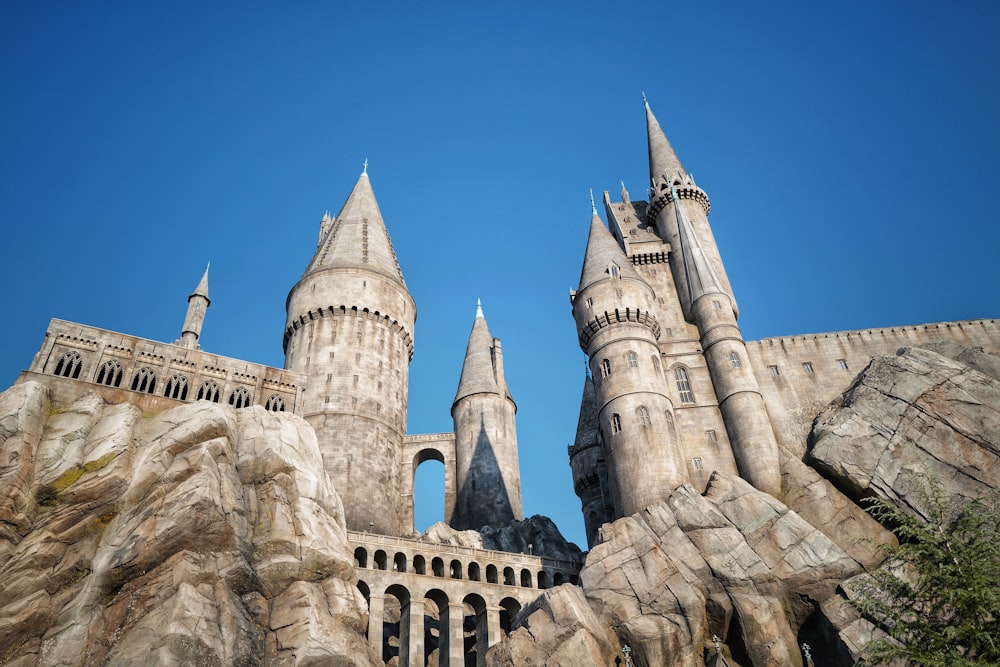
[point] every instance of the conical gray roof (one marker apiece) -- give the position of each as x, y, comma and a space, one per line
477, 371
700, 276
202, 288
587, 426
358, 237
602, 252
662, 159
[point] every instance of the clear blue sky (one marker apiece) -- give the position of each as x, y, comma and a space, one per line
850, 151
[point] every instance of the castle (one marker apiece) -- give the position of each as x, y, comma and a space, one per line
673, 393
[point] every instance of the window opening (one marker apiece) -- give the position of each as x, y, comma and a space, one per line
632, 359
144, 380
616, 423
275, 403
807, 367
683, 385
643, 415
209, 391
240, 398
177, 388
110, 374
70, 365
734, 359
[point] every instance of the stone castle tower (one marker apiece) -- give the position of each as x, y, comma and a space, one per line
676, 393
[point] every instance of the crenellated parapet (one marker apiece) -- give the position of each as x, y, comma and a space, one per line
607, 319
685, 188
374, 316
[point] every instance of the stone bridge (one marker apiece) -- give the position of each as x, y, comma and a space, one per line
474, 592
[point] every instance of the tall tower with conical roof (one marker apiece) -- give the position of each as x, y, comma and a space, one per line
679, 209
488, 477
350, 331
614, 309
198, 304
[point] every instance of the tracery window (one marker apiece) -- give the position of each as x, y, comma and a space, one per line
734, 359
144, 380
616, 423
632, 359
209, 391
605, 368
69, 365
275, 403
643, 415
110, 374
240, 398
683, 385
177, 387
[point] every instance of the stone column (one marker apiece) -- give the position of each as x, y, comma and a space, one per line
414, 620
493, 626
376, 612
452, 651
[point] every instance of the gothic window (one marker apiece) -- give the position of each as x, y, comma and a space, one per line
614, 271
842, 364
177, 387
698, 464
69, 365
275, 403
632, 359
616, 423
643, 415
734, 359
774, 371
683, 385
144, 380
240, 398
656, 362
590, 303
712, 436
807, 367
110, 374
209, 391
605, 368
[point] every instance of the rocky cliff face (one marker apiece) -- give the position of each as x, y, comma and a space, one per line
198, 535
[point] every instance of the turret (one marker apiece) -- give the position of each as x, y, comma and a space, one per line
487, 473
349, 329
590, 471
680, 210
618, 332
198, 303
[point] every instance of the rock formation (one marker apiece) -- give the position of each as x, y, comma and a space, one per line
198, 535
537, 535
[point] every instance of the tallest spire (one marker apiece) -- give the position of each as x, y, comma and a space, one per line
662, 159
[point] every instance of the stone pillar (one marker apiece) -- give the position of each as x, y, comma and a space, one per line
376, 613
494, 633
452, 633
414, 620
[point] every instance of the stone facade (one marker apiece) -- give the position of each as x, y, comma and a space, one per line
676, 392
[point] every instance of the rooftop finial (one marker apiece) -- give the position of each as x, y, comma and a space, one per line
479, 310
593, 206
208, 266
644, 100
365, 167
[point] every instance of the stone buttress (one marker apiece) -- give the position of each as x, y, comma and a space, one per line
350, 331
488, 478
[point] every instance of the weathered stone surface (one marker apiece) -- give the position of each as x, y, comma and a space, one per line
537, 535
198, 535
917, 413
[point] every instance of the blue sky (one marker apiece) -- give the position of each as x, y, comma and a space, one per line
849, 150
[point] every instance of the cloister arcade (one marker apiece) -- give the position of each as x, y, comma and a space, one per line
457, 601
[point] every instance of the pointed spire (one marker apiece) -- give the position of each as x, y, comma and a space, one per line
662, 159
593, 206
587, 426
478, 375
700, 277
603, 252
357, 237
202, 288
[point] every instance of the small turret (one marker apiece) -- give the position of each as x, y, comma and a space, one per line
487, 473
198, 303
590, 471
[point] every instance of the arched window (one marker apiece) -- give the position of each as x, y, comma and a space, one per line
643, 415
209, 391
177, 387
632, 359
683, 385
240, 398
656, 362
275, 403
605, 368
70, 365
734, 359
616, 423
144, 380
614, 271
110, 374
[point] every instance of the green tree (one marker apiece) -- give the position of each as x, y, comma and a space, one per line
937, 595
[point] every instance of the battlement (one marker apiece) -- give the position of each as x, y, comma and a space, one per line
340, 311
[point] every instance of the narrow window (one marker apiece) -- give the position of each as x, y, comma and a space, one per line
632, 359
276, 403
70, 365
605, 368
110, 374
683, 385
698, 464
734, 359
590, 303
331, 356
807, 367
643, 414
240, 398
618, 293
616, 423
209, 391
842, 363
144, 380
656, 362
668, 332
717, 304
711, 435
774, 371
614, 271
177, 388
